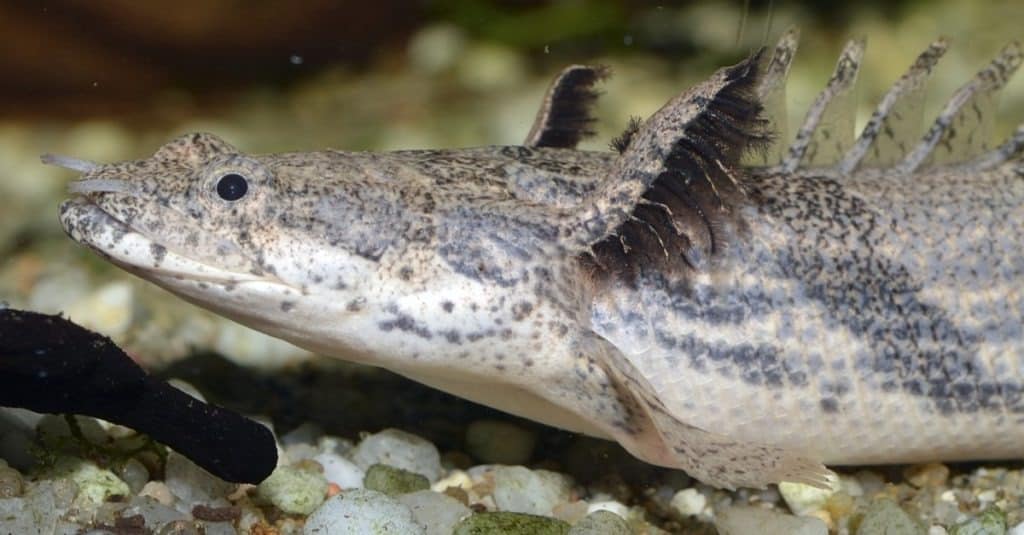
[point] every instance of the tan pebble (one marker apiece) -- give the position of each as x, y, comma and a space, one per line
458, 493
158, 491
840, 505
572, 512
929, 475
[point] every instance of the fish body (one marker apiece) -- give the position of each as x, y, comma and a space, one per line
744, 315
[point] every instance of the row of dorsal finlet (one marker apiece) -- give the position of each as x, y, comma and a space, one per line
891, 139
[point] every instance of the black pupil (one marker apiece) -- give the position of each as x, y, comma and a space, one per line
232, 187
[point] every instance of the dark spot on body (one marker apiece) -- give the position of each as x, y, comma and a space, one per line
405, 323
453, 337
521, 310
286, 306
448, 306
355, 305
159, 252
405, 273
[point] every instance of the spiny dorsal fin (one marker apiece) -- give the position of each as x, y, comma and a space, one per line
897, 122
772, 94
565, 116
963, 128
828, 128
668, 193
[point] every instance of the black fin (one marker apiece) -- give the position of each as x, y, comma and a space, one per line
688, 156
565, 115
49, 364
621, 142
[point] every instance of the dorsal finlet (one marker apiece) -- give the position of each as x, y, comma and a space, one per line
771, 91
829, 121
897, 119
565, 116
961, 129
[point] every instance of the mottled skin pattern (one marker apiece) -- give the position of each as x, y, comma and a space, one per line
796, 318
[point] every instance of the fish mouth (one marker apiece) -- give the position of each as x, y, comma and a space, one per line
86, 222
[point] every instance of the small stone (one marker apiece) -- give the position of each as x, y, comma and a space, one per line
1016, 530
884, 517
931, 475
11, 482
187, 388
178, 527
192, 484
497, 442
393, 481
505, 523
158, 491
601, 523
155, 513
437, 513
611, 506
340, 471
109, 309
401, 450
294, 490
520, 490
359, 512
805, 499
216, 528
95, 484
990, 522
134, 473
689, 502
571, 512
745, 520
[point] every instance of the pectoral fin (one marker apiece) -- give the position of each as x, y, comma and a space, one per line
635, 417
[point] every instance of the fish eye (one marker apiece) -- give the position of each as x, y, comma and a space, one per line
232, 187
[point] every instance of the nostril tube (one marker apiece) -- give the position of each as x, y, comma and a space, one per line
67, 162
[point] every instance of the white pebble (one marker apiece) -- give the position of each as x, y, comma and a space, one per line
190, 483
187, 388
803, 499
401, 450
611, 506
361, 511
689, 502
938, 530
155, 513
537, 492
1016, 530
437, 513
340, 471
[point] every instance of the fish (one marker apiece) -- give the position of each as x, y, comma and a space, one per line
707, 294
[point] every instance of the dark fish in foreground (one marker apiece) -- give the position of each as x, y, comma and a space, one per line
50, 365
746, 316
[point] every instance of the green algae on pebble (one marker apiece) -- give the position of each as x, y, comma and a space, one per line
885, 517
990, 522
95, 485
393, 481
294, 490
504, 523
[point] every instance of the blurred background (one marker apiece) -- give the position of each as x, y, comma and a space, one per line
110, 80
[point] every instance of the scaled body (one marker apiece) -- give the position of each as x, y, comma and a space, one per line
839, 302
